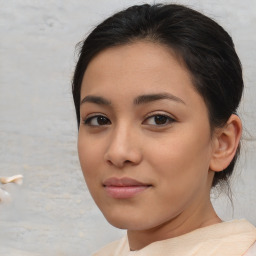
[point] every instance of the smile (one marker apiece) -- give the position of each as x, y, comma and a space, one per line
124, 188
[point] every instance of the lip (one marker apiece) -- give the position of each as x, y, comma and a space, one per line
124, 187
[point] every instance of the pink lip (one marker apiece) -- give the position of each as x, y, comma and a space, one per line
124, 187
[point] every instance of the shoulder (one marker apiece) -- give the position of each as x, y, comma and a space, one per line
115, 248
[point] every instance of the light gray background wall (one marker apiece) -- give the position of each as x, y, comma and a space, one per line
52, 212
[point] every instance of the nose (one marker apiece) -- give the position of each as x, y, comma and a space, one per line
124, 148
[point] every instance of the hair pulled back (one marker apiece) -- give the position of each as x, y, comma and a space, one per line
205, 48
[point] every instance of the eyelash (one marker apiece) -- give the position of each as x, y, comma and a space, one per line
88, 120
168, 119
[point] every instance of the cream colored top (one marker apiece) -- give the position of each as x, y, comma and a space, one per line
234, 238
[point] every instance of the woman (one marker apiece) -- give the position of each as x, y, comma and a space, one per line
156, 90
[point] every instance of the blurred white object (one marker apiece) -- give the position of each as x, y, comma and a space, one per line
4, 196
18, 179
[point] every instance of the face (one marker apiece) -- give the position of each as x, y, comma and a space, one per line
144, 141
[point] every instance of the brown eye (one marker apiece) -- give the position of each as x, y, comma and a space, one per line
159, 120
97, 121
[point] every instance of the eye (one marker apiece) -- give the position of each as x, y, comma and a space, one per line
97, 120
159, 120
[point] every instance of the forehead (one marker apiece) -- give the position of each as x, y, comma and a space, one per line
137, 68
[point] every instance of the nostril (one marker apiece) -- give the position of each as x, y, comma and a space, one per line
109, 162
120, 157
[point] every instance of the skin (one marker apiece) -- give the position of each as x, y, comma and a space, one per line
175, 157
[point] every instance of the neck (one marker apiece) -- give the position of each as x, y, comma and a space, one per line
202, 216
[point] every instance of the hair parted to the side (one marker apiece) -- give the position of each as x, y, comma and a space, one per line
205, 47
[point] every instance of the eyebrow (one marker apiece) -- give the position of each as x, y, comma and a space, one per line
142, 99
95, 99
154, 97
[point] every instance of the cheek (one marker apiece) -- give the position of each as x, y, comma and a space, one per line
181, 174
181, 160
89, 153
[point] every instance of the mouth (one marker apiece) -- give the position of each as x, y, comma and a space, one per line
124, 187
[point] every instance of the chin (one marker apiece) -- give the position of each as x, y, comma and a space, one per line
131, 221
125, 221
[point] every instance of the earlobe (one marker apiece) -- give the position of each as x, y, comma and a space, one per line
225, 144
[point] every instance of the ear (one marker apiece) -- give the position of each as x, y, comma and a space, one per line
225, 143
